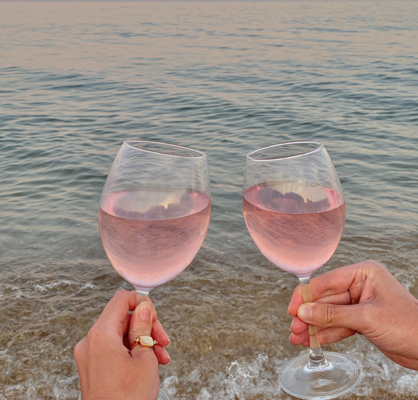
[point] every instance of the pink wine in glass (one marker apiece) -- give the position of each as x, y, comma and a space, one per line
295, 225
150, 236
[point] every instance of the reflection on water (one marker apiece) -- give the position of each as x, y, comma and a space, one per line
76, 79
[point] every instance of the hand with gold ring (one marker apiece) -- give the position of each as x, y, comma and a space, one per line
144, 341
107, 366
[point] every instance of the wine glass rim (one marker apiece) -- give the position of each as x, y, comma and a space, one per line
199, 153
320, 146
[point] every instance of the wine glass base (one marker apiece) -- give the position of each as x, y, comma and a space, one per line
162, 395
339, 376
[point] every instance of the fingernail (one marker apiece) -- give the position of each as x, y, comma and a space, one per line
169, 358
305, 312
145, 311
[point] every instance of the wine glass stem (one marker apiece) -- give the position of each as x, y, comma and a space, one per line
316, 356
140, 294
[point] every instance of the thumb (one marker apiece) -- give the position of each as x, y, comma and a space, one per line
141, 321
331, 315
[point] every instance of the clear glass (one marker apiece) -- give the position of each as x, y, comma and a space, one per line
154, 212
294, 209
162, 395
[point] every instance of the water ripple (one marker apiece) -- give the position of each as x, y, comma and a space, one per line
227, 79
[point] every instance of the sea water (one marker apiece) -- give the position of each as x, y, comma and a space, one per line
226, 78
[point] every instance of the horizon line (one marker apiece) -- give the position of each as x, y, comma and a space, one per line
192, 1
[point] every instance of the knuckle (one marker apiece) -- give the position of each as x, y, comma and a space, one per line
121, 293
94, 335
78, 350
330, 314
139, 331
375, 265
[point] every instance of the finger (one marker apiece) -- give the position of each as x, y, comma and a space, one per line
334, 284
159, 334
80, 352
339, 299
140, 299
325, 336
331, 287
141, 323
125, 324
331, 315
301, 338
339, 280
334, 335
295, 301
297, 327
115, 312
162, 355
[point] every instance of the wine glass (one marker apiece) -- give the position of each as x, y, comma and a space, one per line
154, 212
294, 210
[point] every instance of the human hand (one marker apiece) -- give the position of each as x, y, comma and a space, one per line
363, 298
107, 369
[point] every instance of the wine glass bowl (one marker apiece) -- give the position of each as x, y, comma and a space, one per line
154, 211
294, 209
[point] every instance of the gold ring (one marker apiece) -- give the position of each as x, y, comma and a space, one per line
144, 341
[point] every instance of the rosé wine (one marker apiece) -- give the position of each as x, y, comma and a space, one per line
295, 225
150, 236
